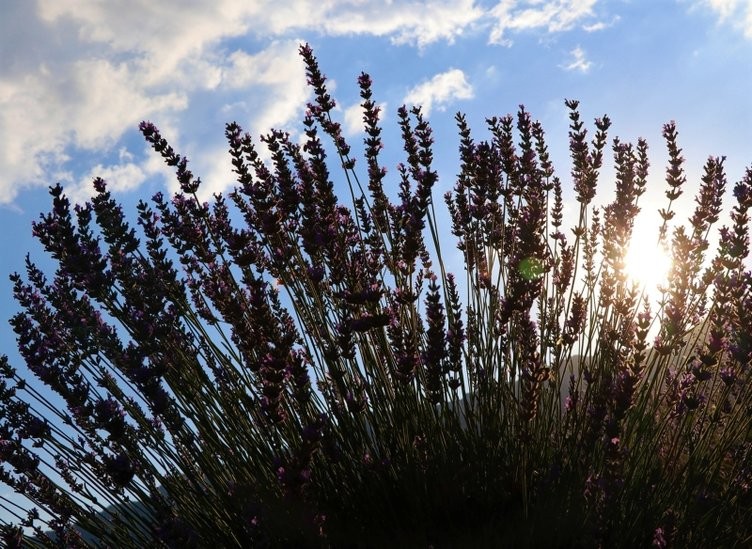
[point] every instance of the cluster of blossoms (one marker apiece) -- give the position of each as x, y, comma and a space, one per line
274, 367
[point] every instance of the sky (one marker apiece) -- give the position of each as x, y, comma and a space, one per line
77, 77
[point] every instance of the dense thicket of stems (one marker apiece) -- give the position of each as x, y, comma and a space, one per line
277, 367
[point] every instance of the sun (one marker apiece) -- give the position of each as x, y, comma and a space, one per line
647, 261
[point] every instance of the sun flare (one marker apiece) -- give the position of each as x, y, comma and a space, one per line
647, 261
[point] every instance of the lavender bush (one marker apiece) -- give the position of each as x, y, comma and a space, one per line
276, 368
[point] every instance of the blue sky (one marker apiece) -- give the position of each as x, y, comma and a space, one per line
77, 76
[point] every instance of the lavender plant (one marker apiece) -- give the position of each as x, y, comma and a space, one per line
276, 368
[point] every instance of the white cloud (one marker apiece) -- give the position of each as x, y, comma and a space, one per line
354, 118
595, 27
215, 169
85, 72
724, 7
122, 63
554, 16
174, 30
120, 177
161, 35
416, 22
110, 102
601, 25
440, 90
245, 69
738, 12
280, 71
79, 75
87, 105
284, 76
578, 61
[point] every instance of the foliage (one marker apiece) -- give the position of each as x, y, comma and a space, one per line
274, 367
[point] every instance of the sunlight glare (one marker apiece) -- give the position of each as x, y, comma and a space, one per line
647, 262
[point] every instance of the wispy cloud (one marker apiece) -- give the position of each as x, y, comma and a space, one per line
601, 25
738, 12
578, 62
440, 90
416, 23
725, 8
554, 16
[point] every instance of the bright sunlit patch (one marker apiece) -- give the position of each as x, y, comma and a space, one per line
647, 262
